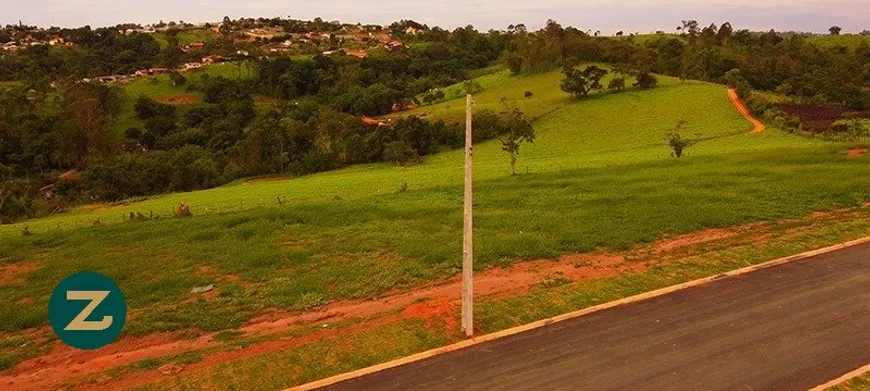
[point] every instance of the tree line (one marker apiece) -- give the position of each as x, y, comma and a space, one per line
314, 124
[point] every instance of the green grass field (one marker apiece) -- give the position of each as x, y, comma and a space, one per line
861, 383
545, 87
186, 37
850, 41
599, 177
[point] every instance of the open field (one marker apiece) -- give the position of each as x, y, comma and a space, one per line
850, 41
547, 96
488, 78
186, 37
599, 178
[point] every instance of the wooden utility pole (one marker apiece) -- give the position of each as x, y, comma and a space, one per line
467, 248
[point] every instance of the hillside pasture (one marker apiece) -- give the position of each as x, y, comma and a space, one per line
599, 177
547, 95
186, 37
850, 41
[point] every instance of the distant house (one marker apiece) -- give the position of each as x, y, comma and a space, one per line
10, 47
213, 59
361, 37
110, 79
191, 65
394, 44
198, 45
384, 38
279, 47
373, 122
358, 53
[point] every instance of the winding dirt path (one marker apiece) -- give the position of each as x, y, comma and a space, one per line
744, 111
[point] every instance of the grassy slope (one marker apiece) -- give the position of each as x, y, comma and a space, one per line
548, 96
599, 176
828, 41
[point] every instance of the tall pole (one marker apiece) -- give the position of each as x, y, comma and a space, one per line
467, 254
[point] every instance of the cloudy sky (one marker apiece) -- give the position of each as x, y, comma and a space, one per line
607, 16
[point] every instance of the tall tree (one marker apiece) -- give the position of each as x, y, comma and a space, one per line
580, 83
515, 130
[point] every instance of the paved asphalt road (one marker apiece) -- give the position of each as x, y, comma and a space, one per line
790, 327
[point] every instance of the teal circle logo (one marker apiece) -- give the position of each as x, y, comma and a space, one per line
87, 310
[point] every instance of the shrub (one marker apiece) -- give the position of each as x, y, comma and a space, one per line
646, 80
133, 133
515, 64
617, 84
676, 141
529, 94
401, 154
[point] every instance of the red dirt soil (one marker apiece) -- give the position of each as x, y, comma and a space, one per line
436, 303
856, 152
744, 111
12, 273
64, 362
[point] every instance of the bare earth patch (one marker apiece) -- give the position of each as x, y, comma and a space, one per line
856, 152
15, 272
178, 99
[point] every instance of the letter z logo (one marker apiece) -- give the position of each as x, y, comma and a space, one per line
87, 310
79, 323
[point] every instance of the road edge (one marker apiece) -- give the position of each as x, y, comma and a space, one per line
576, 314
842, 379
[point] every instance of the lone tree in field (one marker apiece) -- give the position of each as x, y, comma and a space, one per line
512, 129
835, 30
580, 83
676, 141
515, 64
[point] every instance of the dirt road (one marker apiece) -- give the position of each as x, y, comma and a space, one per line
788, 327
744, 111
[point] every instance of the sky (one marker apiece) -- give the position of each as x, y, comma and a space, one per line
607, 16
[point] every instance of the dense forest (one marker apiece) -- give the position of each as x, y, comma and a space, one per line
51, 123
